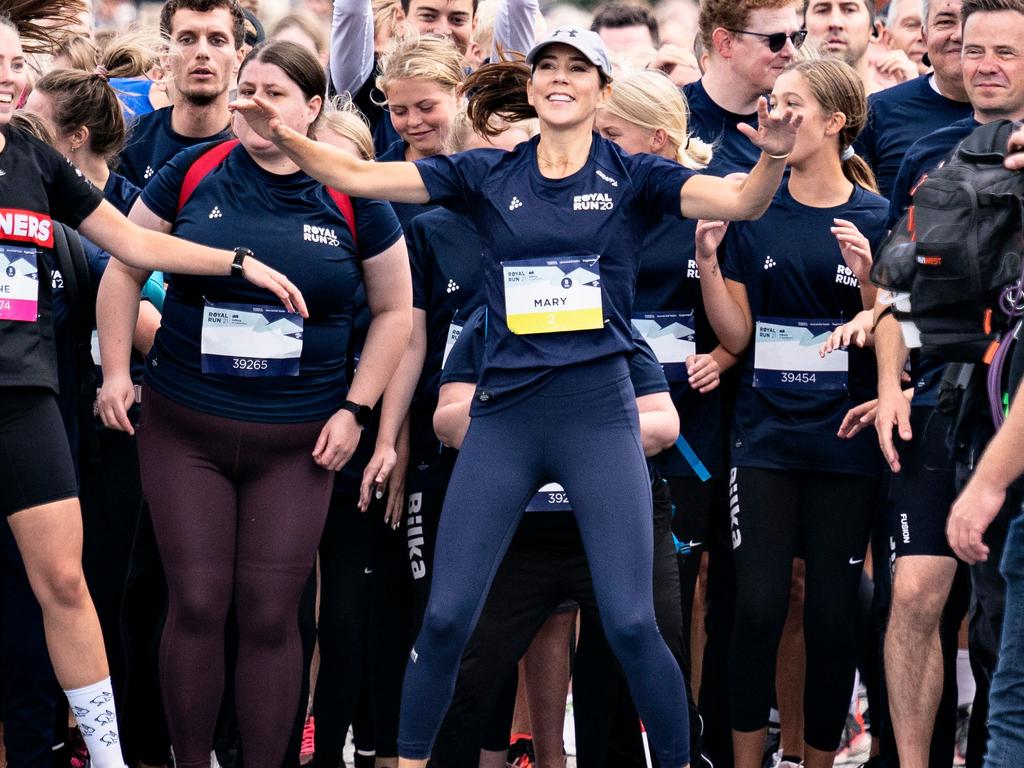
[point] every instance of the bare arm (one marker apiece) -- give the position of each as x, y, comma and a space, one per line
146, 327
659, 422
985, 494
117, 314
893, 409
725, 301
451, 418
399, 181
733, 199
151, 249
394, 412
389, 297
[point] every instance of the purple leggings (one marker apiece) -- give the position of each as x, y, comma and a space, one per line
238, 509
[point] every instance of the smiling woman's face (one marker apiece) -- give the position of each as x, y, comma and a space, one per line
565, 88
13, 72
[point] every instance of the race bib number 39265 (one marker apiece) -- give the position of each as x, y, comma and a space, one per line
786, 355
19, 284
251, 340
552, 295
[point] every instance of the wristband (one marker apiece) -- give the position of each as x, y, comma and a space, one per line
778, 157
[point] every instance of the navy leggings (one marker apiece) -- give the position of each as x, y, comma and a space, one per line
582, 428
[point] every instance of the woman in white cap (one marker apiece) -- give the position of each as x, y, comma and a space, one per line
562, 218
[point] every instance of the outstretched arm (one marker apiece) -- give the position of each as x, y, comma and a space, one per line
741, 199
399, 182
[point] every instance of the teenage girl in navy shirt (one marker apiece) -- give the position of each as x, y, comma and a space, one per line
790, 279
562, 217
248, 409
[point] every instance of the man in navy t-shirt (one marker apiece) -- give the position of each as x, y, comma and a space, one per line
899, 116
925, 566
207, 37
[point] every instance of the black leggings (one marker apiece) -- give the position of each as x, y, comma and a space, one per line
776, 515
238, 509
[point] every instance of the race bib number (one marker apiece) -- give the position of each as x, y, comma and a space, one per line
251, 340
19, 284
552, 295
672, 336
454, 331
550, 498
786, 355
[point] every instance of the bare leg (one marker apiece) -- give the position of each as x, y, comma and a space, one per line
698, 633
546, 673
913, 654
748, 748
791, 667
49, 538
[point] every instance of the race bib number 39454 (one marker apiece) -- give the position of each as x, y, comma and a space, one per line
786, 355
19, 284
552, 295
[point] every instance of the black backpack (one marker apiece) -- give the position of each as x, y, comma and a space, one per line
959, 247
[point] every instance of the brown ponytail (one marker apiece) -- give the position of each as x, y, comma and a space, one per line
497, 90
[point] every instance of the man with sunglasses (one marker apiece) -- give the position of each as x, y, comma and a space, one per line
899, 116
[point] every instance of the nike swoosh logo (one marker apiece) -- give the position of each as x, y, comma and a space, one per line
692, 544
367, 571
856, 562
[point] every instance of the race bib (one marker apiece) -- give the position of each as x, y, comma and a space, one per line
251, 340
550, 498
672, 336
552, 295
454, 331
19, 284
786, 355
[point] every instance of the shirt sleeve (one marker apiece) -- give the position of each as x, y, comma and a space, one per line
417, 242
71, 196
455, 181
660, 183
731, 254
514, 25
377, 227
466, 358
161, 193
645, 371
351, 45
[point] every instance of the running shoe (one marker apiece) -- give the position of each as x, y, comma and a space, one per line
307, 745
520, 751
79, 752
856, 743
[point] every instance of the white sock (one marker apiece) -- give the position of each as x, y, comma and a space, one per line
964, 678
93, 708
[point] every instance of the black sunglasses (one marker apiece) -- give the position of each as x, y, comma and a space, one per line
777, 40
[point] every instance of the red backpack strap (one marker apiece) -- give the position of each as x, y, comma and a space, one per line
201, 168
344, 203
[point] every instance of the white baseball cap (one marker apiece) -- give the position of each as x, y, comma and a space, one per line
585, 41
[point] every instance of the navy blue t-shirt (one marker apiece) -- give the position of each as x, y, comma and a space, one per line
293, 225
152, 143
466, 359
899, 116
792, 268
405, 212
714, 125
597, 216
924, 155
445, 253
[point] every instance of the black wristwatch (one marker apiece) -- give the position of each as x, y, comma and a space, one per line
361, 412
241, 252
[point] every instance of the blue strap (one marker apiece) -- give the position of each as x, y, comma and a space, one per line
693, 459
